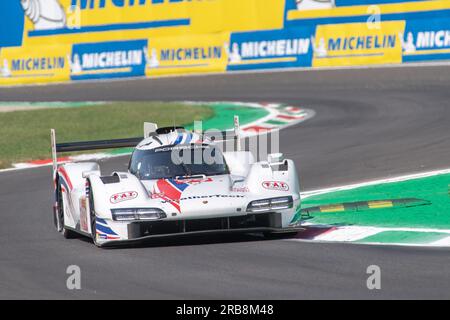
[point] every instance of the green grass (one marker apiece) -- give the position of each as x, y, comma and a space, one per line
25, 135
434, 190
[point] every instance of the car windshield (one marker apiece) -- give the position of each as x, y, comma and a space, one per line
177, 161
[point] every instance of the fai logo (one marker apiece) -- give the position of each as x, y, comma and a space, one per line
45, 14
275, 185
123, 196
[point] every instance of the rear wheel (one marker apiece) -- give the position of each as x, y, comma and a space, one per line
60, 225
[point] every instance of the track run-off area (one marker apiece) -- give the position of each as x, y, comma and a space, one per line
369, 124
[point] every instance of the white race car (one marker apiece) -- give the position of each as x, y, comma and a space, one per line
162, 196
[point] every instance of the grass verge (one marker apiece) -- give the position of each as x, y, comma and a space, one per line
25, 135
432, 213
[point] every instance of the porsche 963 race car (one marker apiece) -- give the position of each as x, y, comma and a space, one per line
178, 183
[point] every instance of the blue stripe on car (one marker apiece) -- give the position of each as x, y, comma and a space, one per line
188, 138
104, 229
179, 139
100, 220
176, 184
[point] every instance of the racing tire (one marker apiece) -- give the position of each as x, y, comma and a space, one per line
59, 219
92, 216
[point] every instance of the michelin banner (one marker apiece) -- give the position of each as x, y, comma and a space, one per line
44, 41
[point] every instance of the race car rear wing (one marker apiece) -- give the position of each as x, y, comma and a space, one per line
88, 145
149, 129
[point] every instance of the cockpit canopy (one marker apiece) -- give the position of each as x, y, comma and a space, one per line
170, 162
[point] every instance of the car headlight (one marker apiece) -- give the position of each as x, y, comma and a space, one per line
265, 205
137, 214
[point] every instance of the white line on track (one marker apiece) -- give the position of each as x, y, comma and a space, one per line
378, 244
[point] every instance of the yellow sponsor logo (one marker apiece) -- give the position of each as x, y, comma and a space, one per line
175, 55
357, 44
38, 64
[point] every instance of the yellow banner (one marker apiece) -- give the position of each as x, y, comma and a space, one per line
357, 44
186, 54
78, 21
34, 65
60, 40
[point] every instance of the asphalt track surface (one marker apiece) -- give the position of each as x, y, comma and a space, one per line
370, 123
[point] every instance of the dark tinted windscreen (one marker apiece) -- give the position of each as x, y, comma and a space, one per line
172, 162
